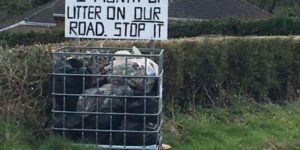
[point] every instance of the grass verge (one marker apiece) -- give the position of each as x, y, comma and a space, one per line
255, 127
265, 127
14, 136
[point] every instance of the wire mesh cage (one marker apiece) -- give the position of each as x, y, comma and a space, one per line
108, 97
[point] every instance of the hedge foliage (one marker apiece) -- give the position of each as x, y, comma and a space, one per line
23, 72
199, 71
177, 29
221, 71
273, 26
18, 38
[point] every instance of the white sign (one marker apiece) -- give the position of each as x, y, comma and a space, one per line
117, 19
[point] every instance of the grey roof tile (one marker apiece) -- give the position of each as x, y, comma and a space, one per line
44, 15
192, 9
214, 9
60, 7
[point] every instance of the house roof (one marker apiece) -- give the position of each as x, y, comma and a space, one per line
203, 9
182, 9
44, 15
60, 7
214, 9
41, 16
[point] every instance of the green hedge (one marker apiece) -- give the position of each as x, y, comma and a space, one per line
23, 72
221, 71
178, 29
201, 71
18, 38
273, 26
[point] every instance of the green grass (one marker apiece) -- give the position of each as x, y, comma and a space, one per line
249, 128
59, 143
14, 136
255, 127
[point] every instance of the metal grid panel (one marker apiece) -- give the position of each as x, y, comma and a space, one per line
100, 101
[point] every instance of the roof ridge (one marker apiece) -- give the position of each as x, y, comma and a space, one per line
178, 9
24, 15
256, 7
40, 9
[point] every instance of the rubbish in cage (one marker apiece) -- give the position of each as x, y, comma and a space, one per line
70, 84
140, 66
139, 106
102, 104
135, 139
113, 98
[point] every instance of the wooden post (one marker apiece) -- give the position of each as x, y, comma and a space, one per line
78, 41
152, 43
